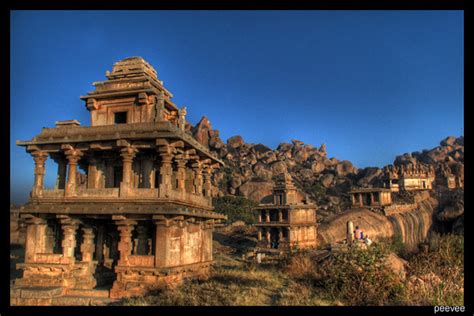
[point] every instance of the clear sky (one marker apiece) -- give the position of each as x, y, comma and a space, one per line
369, 84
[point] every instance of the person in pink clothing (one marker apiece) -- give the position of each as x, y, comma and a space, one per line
357, 233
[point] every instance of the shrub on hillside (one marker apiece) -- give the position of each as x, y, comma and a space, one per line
361, 277
237, 208
436, 275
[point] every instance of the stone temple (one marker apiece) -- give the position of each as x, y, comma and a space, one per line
289, 222
139, 216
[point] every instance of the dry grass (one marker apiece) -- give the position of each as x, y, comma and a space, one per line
436, 276
299, 266
232, 283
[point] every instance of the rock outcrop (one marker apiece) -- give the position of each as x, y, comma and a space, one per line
251, 168
412, 227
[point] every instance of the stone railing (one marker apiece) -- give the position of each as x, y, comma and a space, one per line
102, 192
139, 193
53, 193
143, 192
52, 258
141, 261
284, 221
187, 197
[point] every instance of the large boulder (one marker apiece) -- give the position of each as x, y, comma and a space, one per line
262, 171
344, 168
318, 167
373, 224
256, 190
201, 131
235, 141
283, 147
327, 180
369, 175
397, 265
448, 141
279, 167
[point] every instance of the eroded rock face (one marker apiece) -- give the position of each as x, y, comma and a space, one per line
451, 212
202, 131
413, 227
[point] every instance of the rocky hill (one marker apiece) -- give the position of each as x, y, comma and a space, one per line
251, 168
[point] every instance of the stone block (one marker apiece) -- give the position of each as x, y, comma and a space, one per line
15, 292
71, 301
34, 301
91, 293
41, 292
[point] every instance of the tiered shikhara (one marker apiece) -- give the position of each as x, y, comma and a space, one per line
141, 216
289, 222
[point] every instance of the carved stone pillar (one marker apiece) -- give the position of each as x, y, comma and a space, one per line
39, 158
35, 237
372, 200
361, 203
166, 170
127, 154
267, 216
73, 156
125, 246
160, 108
197, 170
260, 216
280, 234
207, 182
280, 216
259, 234
87, 246
181, 175
69, 237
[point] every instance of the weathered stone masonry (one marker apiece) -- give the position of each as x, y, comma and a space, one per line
289, 222
143, 217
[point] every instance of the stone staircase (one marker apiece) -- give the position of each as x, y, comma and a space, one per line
57, 296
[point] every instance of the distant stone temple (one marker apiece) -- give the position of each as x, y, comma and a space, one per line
409, 177
369, 197
290, 222
140, 214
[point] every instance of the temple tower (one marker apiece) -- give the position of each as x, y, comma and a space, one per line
289, 222
120, 209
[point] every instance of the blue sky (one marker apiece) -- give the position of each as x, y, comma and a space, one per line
369, 84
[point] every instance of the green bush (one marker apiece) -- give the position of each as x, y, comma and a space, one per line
360, 277
237, 208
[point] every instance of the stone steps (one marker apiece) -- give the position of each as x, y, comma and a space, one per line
76, 300
89, 293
